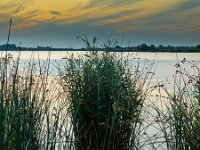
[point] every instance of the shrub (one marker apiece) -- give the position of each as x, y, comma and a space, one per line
30, 113
105, 100
182, 124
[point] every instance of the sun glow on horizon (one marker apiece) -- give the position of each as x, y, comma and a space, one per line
105, 12
140, 20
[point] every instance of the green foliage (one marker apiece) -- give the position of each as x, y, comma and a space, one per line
105, 101
182, 126
19, 111
27, 117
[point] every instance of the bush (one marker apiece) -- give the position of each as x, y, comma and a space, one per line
28, 118
181, 123
105, 101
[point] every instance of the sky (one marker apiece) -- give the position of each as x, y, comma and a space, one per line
58, 23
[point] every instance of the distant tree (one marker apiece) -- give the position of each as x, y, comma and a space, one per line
8, 47
117, 47
161, 47
144, 47
198, 46
170, 47
152, 47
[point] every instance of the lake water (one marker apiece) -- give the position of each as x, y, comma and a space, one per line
165, 66
164, 63
163, 57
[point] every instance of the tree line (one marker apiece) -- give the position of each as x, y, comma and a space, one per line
142, 48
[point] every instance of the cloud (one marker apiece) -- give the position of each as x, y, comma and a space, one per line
169, 18
128, 16
19, 8
55, 12
76, 11
188, 4
13, 9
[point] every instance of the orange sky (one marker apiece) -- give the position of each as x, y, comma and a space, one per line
125, 16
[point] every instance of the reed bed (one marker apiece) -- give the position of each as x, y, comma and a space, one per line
105, 100
99, 100
178, 113
30, 106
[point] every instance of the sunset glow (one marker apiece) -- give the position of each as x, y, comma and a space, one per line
176, 17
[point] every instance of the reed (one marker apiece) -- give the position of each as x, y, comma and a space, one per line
179, 122
30, 106
105, 100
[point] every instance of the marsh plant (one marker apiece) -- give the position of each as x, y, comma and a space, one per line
180, 121
30, 114
105, 100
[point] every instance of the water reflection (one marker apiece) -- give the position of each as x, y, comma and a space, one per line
164, 63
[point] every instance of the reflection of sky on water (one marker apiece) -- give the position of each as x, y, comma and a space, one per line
164, 65
164, 68
150, 56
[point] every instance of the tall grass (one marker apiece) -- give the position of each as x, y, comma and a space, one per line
105, 100
99, 101
29, 115
180, 119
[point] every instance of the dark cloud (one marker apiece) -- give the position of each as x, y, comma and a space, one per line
109, 4
188, 5
16, 6
55, 12
19, 8
28, 16
121, 14
10, 5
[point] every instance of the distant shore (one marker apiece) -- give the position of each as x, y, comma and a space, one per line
139, 48
109, 50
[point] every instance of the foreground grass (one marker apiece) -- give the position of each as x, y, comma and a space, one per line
179, 113
98, 102
106, 101
28, 116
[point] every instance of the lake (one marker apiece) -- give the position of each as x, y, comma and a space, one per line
164, 63
165, 66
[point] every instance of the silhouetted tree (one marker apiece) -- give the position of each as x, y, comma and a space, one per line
152, 47
143, 47
8, 47
161, 47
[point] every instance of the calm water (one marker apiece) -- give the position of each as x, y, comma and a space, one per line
164, 65
164, 68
